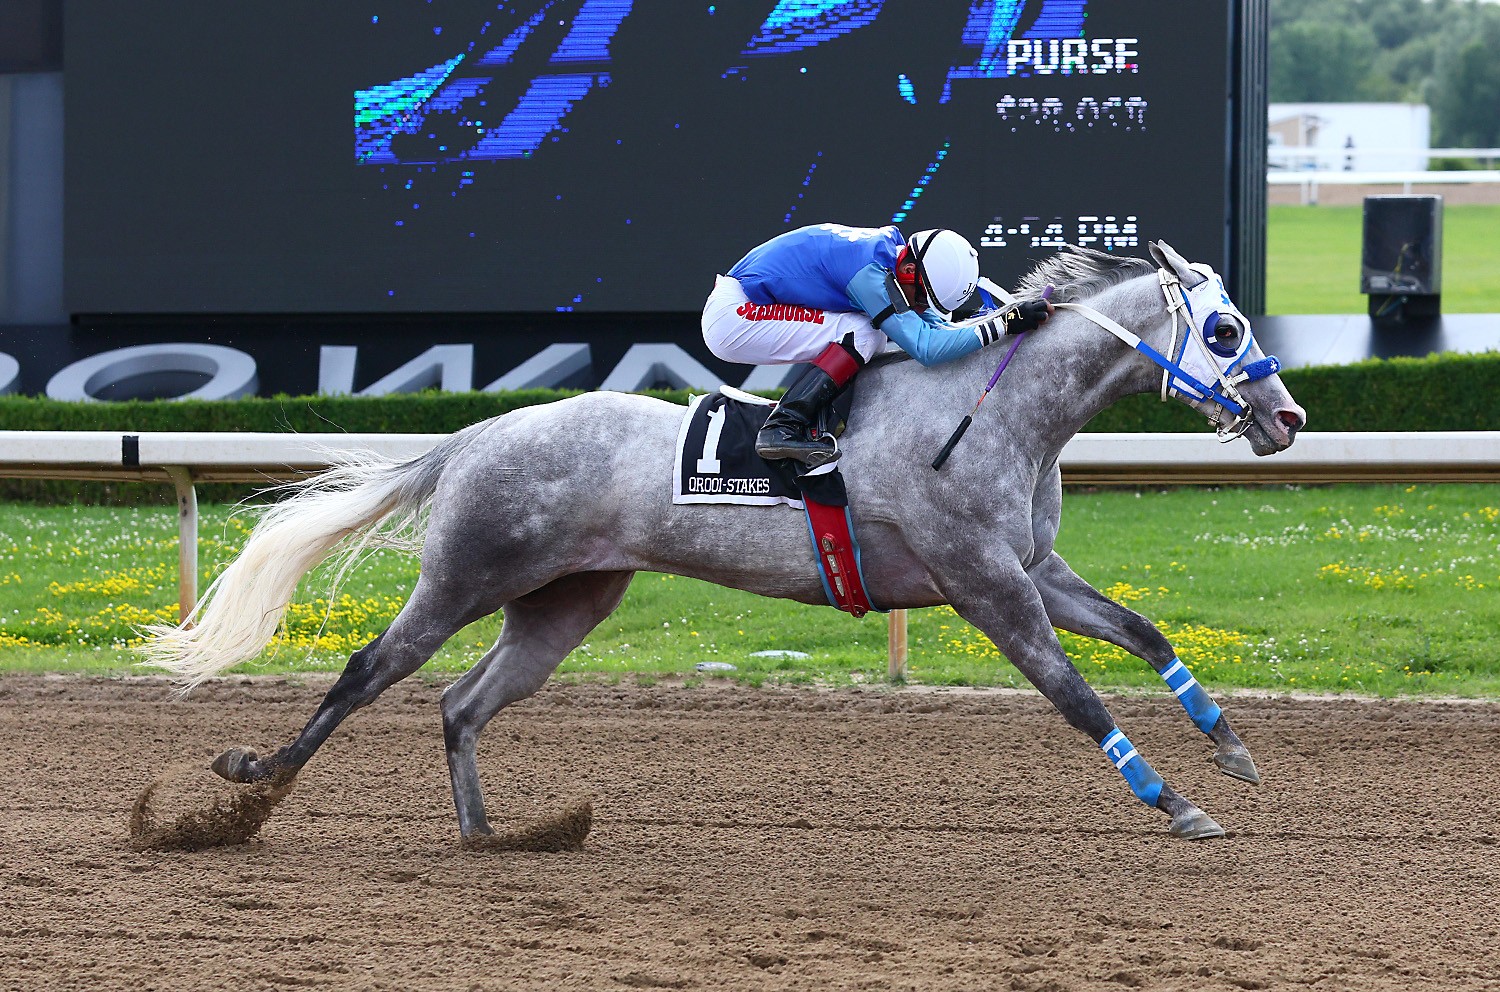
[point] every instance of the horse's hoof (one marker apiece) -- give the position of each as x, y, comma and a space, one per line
1194, 824
477, 837
1238, 764
235, 765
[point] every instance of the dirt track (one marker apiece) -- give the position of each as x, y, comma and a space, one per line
757, 840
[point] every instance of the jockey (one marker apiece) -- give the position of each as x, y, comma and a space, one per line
833, 296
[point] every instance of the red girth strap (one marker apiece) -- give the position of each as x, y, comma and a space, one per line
839, 362
835, 547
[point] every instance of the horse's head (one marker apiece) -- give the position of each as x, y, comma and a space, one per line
1213, 362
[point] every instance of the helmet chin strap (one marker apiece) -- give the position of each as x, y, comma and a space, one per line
919, 273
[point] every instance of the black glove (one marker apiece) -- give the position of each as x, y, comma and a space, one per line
1028, 316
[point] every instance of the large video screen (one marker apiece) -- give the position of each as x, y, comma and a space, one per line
613, 155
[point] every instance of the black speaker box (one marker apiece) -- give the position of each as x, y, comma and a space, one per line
1402, 265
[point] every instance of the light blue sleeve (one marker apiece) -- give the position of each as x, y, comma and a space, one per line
925, 336
929, 344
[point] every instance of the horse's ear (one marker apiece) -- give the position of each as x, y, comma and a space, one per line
1167, 257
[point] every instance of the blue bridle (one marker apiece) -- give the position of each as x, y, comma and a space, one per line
1206, 306
1219, 372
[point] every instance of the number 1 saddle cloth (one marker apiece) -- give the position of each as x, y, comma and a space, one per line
716, 463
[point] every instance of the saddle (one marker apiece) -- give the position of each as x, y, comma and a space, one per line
716, 463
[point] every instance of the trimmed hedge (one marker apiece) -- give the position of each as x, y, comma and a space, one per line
407, 413
1443, 392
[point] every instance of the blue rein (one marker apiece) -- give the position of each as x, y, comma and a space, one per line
1261, 369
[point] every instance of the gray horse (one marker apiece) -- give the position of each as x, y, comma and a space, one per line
547, 512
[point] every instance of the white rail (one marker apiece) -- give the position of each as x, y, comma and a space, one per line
1292, 156
1387, 177
185, 459
1310, 180
1317, 457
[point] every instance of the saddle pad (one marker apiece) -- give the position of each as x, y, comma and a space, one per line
716, 460
716, 463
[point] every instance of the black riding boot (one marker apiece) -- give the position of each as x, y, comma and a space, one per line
792, 431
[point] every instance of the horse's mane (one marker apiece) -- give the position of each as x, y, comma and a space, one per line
1074, 273
1078, 273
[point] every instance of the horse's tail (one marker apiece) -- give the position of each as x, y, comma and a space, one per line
361, 502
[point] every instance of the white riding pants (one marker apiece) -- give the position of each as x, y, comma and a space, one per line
737, 330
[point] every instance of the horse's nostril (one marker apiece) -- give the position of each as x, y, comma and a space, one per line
1291, 420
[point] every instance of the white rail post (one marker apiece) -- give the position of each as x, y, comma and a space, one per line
187, 539
896, 635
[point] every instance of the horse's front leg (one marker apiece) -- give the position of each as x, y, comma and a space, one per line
1007, 607
1076, 606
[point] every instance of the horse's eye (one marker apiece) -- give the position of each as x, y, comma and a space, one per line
1223, 334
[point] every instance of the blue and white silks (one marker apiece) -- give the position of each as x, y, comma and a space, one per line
844, 269
812, 266
925, 336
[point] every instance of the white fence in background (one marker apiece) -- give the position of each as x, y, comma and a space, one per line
1299, 157
1309, 168
1310, 180
185, 459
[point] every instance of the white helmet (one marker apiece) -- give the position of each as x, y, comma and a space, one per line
947, 267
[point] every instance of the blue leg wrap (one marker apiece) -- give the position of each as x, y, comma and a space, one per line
1141, 777
1203, 711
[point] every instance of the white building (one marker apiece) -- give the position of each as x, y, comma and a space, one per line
1354, 137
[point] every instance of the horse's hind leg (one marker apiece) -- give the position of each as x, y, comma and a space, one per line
541, 628
430, 617
1076, 606
1007, 607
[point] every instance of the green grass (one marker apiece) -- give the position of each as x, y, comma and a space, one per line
1376, 589
1313, 260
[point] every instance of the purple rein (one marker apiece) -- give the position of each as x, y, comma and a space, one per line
963, 425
